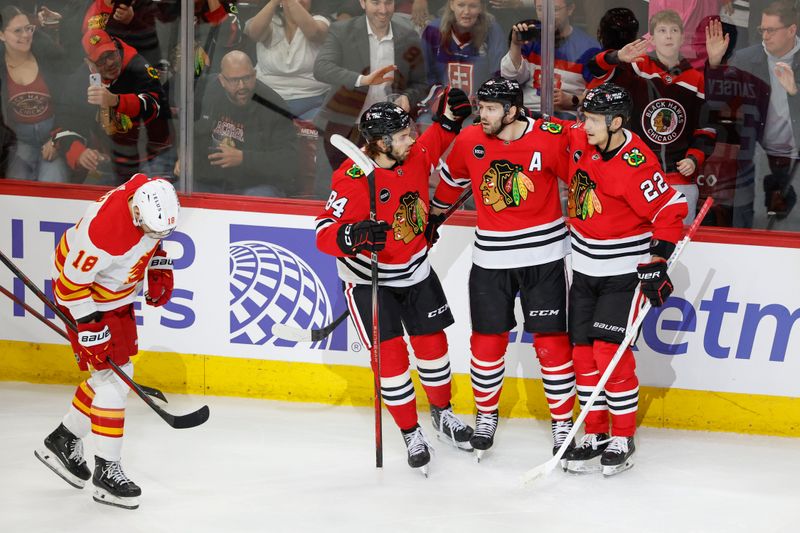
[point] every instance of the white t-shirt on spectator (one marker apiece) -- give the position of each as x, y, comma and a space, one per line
286, 67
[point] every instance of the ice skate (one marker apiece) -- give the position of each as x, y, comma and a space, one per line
419, 450
618, 456
583, 458
560, 430
451, 428
483, 437
63, 454
112, 486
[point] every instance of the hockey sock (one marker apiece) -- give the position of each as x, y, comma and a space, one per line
554, 352
77, 418
487, 367
433, 365
108, 411
397, 390
587, 376
622, 389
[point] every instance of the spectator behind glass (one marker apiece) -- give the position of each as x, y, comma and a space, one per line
243, 141
288, 40
29, 107
757, 90
573, 50
617, 27
669, 111
464, 46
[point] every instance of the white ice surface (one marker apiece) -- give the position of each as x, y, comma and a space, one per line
287, 467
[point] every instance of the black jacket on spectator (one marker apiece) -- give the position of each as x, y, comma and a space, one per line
266, 136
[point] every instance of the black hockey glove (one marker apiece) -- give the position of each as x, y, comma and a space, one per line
779, 195
656, 285
460, 107
364, 235
432, 229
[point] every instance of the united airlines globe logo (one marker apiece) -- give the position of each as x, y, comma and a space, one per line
270, 284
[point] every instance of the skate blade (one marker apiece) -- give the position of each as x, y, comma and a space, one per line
50, 461
424, 471
592, 466
106, 498
479, 455
609, 471
465, 446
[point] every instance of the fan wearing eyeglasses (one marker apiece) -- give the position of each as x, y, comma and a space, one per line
762, 80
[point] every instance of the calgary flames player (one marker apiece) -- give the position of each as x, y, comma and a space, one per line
512, 163
99, 267
625, 220
410, 294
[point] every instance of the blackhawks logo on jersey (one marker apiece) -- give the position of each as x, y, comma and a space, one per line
551, 127
582, 200
504, 185
634, 158
354, 172
410, 218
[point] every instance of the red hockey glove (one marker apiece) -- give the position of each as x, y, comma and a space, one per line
364, 235
159, 279
460, 107
94, 339
656, 285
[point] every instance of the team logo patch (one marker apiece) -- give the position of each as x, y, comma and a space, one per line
94, 40
355, 172
504, 185
384, 195
551, 127
152, 72
410, 217
582, 200
479, 151
634, 158
577, 155
663, 120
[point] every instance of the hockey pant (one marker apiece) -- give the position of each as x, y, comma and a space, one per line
554, 351
99, 406
433, 365
621, 395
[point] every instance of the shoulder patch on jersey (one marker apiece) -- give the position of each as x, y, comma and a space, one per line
152, 72
582, 200
634, 158
551, 127
354, 172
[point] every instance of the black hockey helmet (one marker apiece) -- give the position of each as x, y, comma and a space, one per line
381, 120
609, 99
617, 28
501, 90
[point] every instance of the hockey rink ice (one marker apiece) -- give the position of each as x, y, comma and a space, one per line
268, 466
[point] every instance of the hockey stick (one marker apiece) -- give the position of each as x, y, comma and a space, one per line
289, 333
631, 333
150, 391
188, 420
368, 167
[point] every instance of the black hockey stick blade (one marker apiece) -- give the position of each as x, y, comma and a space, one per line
289, 333
155, 393
189, 420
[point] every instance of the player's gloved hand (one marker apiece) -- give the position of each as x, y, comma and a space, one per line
779, 196
432, 229
94, 339
656, 285
365, 235
159, 279
460, 107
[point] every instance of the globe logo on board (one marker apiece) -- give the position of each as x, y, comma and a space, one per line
270, 284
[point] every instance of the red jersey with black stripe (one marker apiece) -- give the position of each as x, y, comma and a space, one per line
515, 186
402, 200
100, 262
617, 206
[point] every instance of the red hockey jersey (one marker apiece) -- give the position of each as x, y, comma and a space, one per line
100, 262
617, 207
402, 200
515, 186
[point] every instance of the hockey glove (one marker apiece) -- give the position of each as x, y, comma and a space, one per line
159, 279
432, 229
365, 235
94, 339
656, 285
779, 196
460, 107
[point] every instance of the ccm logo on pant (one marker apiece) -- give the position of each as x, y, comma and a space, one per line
543, 312
439, 311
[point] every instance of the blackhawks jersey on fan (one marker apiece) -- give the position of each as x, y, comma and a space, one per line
515, 186
617, 206
100, 262
402, 200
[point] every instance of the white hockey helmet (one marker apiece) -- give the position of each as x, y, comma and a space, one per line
158, 208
